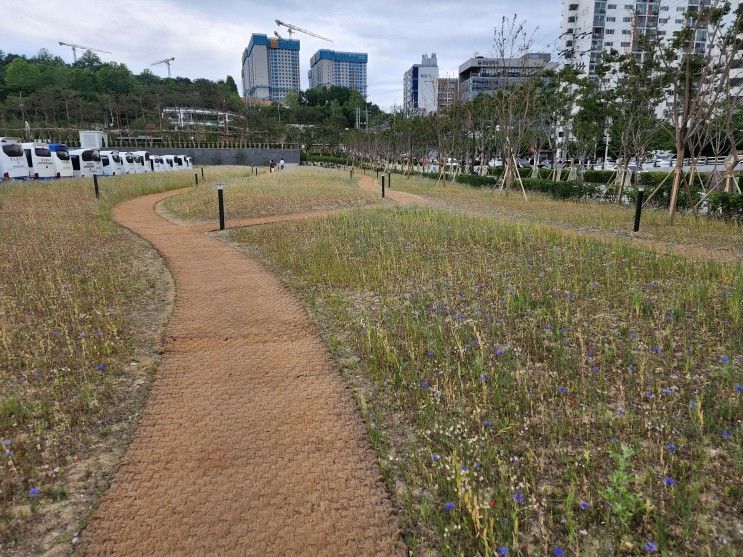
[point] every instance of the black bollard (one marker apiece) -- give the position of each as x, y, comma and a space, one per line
220, 201
382, 185
202, 172
196, 179
95, 186
389, 179
638, 209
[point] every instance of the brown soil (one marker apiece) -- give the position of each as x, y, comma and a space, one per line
250, 442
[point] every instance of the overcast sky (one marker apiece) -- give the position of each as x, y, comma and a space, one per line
207, 38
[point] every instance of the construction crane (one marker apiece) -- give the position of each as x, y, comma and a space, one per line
81, 47
166, 61
293, 28
277, 35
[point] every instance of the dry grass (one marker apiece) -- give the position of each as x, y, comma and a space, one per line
586, 216
76, 299
528, 389
289, 191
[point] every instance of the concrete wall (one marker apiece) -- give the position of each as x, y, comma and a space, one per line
248, 157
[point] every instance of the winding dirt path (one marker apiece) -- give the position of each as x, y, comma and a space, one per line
250, 443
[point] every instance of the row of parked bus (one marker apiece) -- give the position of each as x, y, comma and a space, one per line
45, 161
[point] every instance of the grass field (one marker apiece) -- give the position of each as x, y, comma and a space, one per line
531, 391
289, 191
589, 216
80, 304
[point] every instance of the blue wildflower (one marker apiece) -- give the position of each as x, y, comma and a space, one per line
558, 551
449, 506
33, 492
518, 497
725, 360
726, 435
739, 388
693, 404
669, 481
595, 369
502, 551
483, 378
584, 505
650, 547
666, 391
562, 390
430, 353
632, 368
7, 442
8, 453
100, 367
487, 423
465, 469
671, 447
633, 335
435, 458
649, 394
425, 384
500, 351
656, 350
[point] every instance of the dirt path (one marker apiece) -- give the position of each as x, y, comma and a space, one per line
250, 443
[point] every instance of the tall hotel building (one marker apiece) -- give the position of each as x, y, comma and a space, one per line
345, 69
270, 68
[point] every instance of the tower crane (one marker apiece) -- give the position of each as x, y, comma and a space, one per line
293, 28
166, 61
81, 47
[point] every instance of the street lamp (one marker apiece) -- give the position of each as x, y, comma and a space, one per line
638, 209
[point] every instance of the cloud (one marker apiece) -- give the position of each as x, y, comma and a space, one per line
207, 39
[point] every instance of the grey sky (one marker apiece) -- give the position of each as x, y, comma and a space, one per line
207, 38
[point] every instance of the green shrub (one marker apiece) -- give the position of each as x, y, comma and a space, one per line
599, 176
726, 205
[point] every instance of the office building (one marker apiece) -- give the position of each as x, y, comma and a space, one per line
487, 75
590, 27
448, 91
344, 69
420, 86
270, 68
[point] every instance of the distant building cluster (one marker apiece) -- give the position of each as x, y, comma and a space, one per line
424, 92
270, 69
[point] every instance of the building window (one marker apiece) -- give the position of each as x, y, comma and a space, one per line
625, 45
610, 31
611, 7
610, 19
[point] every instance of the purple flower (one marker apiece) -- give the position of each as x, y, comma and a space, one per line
449, 506
430, 353
483, 378
465, 469
595, 369
633, 335
7, 442
500, 351
562, 390
669, 481
435, 458
487, 423
693, 404
558, 551
666, 391
739, 388
33, 492
650, 547
632, 368
518, 497
100, 367
584, 505
8, 453
425, 384
502, 551
725, 360
671, 447
726, 434
649, 394
656, 350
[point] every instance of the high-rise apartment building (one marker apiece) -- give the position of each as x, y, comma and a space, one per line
270, 68
420, 86
345, 69
448, 91
590, 27
486, 75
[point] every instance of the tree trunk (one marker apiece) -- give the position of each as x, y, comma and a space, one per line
678, 173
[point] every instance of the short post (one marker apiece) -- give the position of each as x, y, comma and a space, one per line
95, 186
377, 173
196, 179
638, 208
202, 172
389, 179
382, 185
220, 201
350, 175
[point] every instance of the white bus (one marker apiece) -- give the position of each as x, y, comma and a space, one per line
39, 161
158, 164
61, 160
86, 162
168, 160
114, 166
13, 164
146, 160
128, 161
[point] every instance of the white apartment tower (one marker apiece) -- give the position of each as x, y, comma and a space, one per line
270, 68
420, 86
590, 27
